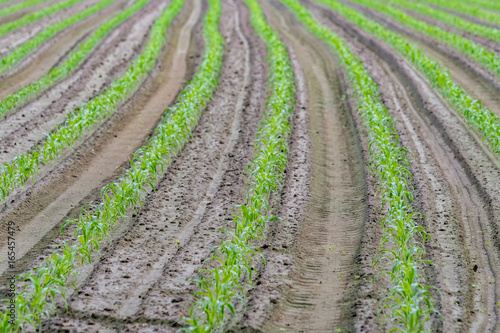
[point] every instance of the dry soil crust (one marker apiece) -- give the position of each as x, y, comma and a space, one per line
454, 180
77, 180
145, 272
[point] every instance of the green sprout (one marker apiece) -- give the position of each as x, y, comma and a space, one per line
233, 258
409, 299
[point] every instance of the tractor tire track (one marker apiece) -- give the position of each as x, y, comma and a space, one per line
78, 179
40, 116
471, 76
147, 272
454, 179
20, 35
51, 53
317, 284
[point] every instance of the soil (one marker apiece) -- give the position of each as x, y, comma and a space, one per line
19, 36
318, 274
50, 54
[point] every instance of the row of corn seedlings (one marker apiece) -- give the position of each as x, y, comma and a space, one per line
477, 116
17, 7
488, 59
409, 300
454, 20
25, 166
233, 258
474, 8
52, 277
30, 18
3, 1
75, 59
20, 52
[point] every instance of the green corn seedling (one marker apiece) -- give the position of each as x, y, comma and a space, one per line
477, 116
27, 19
24, 167
456, 21
233, 258
76, 58
471, 7
409, 300
20, 52
488, 59
94, 224
18, 7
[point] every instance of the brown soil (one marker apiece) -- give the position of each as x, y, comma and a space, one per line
487, 43
190, 205
43, 114
476, 80
454, 177
66, 187
318, 273
20, 13
18, 36
316, 268
50, 54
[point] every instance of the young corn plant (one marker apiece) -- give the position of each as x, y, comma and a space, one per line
14, 8
20, 52
233, 259
456, 21
75, 59
27, 19
488, 59
409, 301
480, 118
52, 277
25, 166
475, 8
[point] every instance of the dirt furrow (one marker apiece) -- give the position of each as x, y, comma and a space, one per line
24, 33
492, 45
309, 280
454, 181
147, 271
67, 188
466, 16
110, 60
52, 52
20, 13
480, 83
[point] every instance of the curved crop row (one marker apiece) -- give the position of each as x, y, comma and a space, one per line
451, 19
480, 4
19, 6
409, 299
221, 285
8, 27
488, 59
20, 52
25, 166
479, 117
94, 225
74, 60
473, 9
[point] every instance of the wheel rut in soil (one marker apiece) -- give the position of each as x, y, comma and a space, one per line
23, 12
22, 34
454, 177
316, 283
145, 272
491, 45
79, 178
41, 115
48, 55
480, 83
